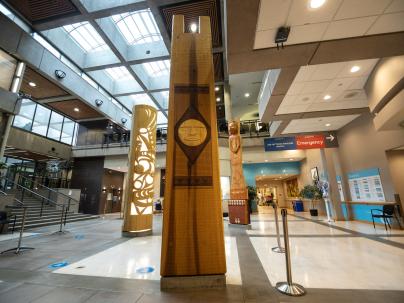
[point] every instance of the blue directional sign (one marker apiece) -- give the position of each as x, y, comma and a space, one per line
280, 143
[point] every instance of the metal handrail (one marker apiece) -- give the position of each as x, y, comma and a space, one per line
32, 192
52, 190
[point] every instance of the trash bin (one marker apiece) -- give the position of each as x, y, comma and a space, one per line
298, 206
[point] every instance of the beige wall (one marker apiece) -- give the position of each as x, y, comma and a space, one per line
396, 164
362, 147
385, 77
313, 159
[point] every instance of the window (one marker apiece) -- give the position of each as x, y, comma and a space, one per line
41, 120
24, 118
138, 27
55, 126
161, 119
119, 73
157, 68
86, 36
68, 131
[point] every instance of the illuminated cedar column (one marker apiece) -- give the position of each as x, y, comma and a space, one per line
138, 213
193, 241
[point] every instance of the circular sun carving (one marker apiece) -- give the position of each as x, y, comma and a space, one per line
192, 132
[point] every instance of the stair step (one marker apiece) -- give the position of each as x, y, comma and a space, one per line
69, 220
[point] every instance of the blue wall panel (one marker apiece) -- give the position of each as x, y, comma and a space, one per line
256, 169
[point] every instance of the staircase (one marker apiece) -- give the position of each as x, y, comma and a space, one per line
50, 215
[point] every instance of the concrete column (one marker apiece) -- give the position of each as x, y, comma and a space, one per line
332, 168
227, 101
7, 119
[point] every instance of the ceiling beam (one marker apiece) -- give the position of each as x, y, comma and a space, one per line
118, 54
46, 25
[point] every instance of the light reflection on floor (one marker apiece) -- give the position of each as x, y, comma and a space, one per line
123, 261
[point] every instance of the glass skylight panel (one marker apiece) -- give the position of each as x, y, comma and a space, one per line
157, 68
119, 73
138, 27
86, 36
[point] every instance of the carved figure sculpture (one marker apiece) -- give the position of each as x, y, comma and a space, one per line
238, 189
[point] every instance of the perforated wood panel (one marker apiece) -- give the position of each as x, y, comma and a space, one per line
41, 10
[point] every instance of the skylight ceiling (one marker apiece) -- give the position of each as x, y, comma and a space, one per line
137, 99
157, 68
119, 73
138, 27
86, 37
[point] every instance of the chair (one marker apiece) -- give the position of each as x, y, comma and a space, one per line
5, 218
386, 214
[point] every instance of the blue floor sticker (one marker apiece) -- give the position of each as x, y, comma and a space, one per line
79, 237
59, 264
145, 270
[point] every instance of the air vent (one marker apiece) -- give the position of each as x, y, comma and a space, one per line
351, 95
256, 115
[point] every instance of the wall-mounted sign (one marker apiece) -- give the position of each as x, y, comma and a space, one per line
301, 142
366, 185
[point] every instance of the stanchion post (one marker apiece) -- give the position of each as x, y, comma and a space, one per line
20, 248
61, 218
288, 288
279, 248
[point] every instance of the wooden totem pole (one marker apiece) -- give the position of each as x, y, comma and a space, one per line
193, 241
238, 204
138, 211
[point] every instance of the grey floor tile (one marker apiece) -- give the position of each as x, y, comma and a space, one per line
24, 293
65, 295
114, 297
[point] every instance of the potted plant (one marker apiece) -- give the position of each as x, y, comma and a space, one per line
252, 198
312, 193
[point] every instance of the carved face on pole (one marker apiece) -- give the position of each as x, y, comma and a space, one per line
233, 128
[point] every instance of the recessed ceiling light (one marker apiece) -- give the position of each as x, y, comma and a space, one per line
266, 160
291, 159
194, 27
217, 88
218, 99
328, 124
76, 109
33, 84
247, 95
327, 97
316, 3
355, 68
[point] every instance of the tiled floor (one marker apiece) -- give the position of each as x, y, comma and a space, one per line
338, 262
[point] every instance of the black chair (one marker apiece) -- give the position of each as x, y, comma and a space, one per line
6, 218
386, 214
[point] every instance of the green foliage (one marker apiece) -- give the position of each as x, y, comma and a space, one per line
3, 165
311, 192
252, 193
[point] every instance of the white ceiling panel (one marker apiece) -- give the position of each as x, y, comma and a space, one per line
271, 18
292, 109
361, 8
319, 86
304, 33
336, 19
395, 6
301, 13
388, 23
343, 87
318, 124
348, 28
326, 71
